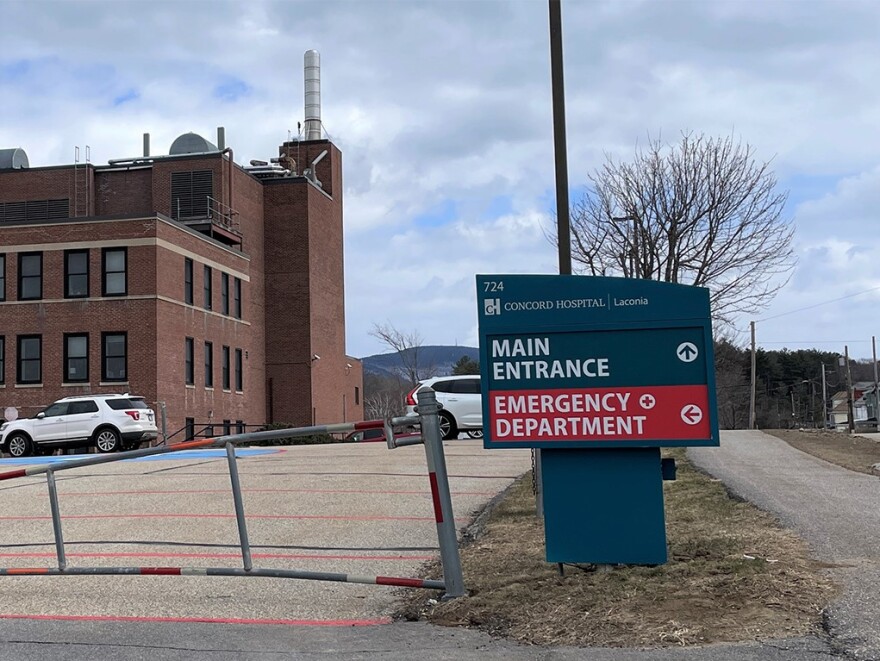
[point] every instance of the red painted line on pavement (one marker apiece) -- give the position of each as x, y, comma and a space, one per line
256, 556
206, 620
435, 495
221, 516
399, 492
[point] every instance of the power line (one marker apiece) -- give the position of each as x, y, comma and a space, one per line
818, 342
816, 305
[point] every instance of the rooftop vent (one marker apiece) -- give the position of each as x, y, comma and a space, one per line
13, 159
190, 143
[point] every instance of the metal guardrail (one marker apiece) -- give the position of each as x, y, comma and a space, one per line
452, 584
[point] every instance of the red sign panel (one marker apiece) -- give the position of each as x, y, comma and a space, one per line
600, 414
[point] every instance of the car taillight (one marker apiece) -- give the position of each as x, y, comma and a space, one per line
411, 397
133, 414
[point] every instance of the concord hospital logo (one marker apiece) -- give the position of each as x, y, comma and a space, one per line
492, 307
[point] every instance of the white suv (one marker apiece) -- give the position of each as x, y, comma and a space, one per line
462, 402
108, 422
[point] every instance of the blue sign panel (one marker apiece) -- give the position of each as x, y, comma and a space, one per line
574, 361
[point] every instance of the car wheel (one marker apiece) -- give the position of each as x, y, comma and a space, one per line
475, 433
19, 445
107, 440
448, 429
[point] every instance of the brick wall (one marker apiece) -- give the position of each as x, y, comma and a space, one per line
289, 263
288, 339
124, 192
305, 295
50, 183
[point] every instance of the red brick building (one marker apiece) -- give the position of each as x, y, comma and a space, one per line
213, 288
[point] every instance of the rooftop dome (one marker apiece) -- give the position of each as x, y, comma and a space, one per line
191, 143
13, 159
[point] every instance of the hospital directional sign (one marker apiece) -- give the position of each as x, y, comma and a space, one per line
589, 362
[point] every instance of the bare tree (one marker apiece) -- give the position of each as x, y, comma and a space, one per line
731, 384
701, 212
382, 404
408, 347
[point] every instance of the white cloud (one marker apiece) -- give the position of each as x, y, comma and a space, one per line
446, 106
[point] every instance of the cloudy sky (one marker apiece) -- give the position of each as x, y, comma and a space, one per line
443, 113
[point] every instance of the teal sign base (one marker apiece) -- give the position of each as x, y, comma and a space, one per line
604, 506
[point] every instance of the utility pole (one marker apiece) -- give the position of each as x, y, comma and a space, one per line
753, 386
824, 400
876, 391
813, 402
557, 84
563, 223
849, 392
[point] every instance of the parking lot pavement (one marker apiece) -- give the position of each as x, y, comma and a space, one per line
350, 508
356, 508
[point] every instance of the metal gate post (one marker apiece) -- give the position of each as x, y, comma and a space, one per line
56, 519
449, 556
239, 508
164, 422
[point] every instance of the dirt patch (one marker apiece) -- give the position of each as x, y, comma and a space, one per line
852, 452
734, 574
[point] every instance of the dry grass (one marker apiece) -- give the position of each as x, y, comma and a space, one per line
734, 574
852, 452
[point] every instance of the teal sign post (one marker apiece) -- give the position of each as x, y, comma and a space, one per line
600, 373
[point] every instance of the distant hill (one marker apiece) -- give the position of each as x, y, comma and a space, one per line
440, 359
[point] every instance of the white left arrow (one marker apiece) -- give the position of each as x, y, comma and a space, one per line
691, 414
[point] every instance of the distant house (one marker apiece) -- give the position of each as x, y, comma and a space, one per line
869, 397
864, 405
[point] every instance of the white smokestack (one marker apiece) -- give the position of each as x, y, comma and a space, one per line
312, 67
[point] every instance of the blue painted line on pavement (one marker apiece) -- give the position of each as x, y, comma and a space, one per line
183, 454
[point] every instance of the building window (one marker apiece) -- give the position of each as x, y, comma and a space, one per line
115, 269
239, 426
114, 356
188, 281
224, 293
2, 359
225, 366
236, 298
76, 358
30, 276
227, 428
357, 395
30, 359
208, 305
239, 381
209, 364
190, 361
2, 277
189, 426
76, 274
